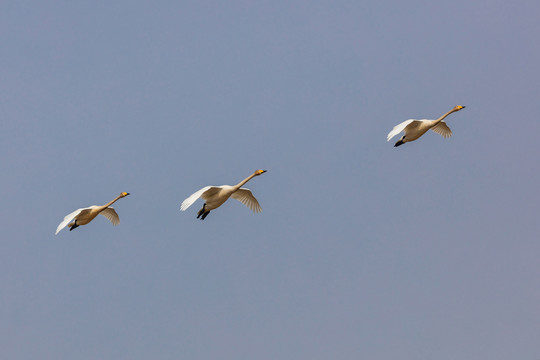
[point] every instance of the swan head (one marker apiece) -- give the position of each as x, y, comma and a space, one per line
459, 107
124, 194
259, 172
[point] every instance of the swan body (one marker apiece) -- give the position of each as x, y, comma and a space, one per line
415, 128
215, 196
83, 216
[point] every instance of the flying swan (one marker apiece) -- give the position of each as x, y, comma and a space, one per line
215, 196
415, 128
84, 215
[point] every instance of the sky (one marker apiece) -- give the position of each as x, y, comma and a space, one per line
362, 251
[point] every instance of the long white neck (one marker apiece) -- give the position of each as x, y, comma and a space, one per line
110, 202
445, 115
241, 183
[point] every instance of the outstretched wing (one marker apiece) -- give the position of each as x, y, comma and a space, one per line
204, 193
246, 197
111, 215
68, 218
399, 128
442, 129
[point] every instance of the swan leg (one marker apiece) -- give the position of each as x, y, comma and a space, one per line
205, 214
400, 142
74, 225
202, 211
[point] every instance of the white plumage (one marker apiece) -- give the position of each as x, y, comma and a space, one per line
215, 196
83, 216
416, 128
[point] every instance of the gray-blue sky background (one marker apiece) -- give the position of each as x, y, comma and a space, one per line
363, 250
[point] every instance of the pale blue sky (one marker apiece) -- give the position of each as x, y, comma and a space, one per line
362, 251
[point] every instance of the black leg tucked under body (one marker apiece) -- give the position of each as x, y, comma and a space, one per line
400, 142
74, 226
203, 212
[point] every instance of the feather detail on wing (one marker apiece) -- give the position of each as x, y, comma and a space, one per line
399, 128
204, 193
442, 129
68, 218
111, 215
246, 197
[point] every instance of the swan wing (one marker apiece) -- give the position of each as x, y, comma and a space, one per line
442, 129
111, 215
68, 218
399, 128
204, 193
246, 197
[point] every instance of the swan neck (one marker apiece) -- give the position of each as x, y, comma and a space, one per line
445, 115
241, 183
111, 202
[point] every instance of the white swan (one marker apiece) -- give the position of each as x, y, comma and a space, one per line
84, 215
415, 128
215, 196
